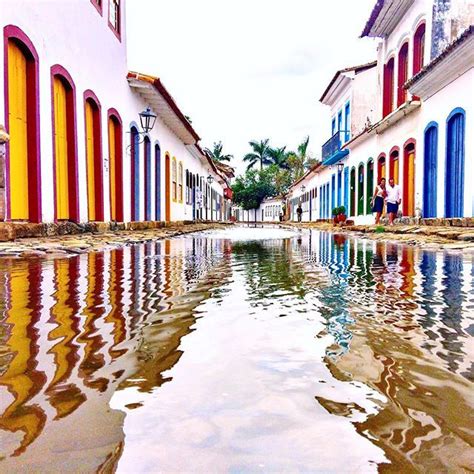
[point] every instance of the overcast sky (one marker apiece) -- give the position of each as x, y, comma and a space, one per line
247, 69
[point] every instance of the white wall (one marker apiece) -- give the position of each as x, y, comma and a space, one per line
75, 36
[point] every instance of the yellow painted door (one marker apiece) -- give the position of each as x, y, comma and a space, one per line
18, 129
61, 147
112, 165
382, 171
395, 171
410, 193
90, 152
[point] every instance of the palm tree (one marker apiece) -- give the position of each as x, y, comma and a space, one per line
300, 160
216, 153
279, 157
260, 154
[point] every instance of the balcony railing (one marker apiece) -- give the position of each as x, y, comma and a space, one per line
331, 151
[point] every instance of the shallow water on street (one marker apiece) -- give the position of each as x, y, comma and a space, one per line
239, 350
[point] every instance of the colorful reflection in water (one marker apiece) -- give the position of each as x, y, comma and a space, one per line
214, 353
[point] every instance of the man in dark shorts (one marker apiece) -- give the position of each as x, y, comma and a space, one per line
393, 200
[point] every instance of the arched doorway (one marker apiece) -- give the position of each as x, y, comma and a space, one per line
167, 188
135, 174
430, 171
353, 192
157, 182
65, 146
147, 149
22, 122
95, 190
370, 185
116, 166
409, 180
455, 164
360, 190
381, 168
394, 165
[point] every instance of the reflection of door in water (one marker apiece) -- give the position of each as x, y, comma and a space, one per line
167, 189
61, 150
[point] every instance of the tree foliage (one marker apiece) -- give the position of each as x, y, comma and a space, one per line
216, 153
259, 154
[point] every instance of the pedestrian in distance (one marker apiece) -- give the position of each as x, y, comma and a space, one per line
299, 212
378, 200
393, 200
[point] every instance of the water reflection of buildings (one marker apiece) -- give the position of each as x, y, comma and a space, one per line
400, 318
72, 330
400, 285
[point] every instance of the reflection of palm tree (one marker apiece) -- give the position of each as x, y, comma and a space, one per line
269, 268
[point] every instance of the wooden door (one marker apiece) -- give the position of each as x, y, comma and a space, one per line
18, 129
61, 149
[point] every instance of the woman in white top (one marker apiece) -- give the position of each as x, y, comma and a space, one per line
378, 200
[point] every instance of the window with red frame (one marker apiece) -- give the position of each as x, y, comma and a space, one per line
388, 87
419, 48
114, 14
402, 74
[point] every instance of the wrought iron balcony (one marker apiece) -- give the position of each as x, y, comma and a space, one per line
332, 152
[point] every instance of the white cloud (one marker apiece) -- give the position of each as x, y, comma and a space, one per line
249, 69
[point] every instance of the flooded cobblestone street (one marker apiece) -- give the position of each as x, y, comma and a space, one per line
238, 350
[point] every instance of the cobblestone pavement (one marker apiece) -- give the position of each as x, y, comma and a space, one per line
451, 238
60, 246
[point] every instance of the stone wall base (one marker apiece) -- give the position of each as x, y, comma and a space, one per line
19, 230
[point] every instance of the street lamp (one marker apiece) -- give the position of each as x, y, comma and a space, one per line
210, 179
303, 189
147, 120
340, 167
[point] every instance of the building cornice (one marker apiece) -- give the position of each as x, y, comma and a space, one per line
452, 63
385, 16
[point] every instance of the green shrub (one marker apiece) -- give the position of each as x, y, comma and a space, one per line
380, 229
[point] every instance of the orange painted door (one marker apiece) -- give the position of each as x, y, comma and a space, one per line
113, 171
61, 148
91, 158
410, 184
167, 189
18, 129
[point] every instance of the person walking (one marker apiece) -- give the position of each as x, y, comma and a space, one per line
378, 200
299, 212
393, 200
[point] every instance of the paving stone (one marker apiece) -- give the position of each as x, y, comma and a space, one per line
466, 236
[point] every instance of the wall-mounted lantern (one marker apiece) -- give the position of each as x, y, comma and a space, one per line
147, 120
303, 189
210, 179
340, 167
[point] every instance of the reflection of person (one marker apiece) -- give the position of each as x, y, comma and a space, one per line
299, 212
393, 200
378, 200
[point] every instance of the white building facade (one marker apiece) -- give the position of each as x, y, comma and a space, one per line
408, 116
78, 151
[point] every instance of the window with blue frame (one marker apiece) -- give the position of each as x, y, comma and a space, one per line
347, 118
339, 121
333, 126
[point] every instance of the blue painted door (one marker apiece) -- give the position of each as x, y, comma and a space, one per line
327, 201
321, 215
455, 166
135, 175
157, 183
346, 189
147, 180
430, 175
333, 192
